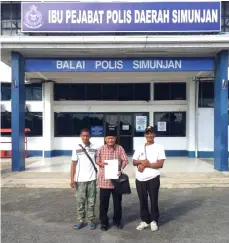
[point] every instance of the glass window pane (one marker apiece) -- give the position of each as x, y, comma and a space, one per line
94, 91
178, 91
62, 92
162, 117
206, 94
126, 91
5, 122
33, 121
96, 124
80, 121
78, 91
110, 91
161, 91
142, 91
175, 123
63, 124
5, 91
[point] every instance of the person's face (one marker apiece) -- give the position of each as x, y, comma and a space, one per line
110, 140
85, 136
150, 137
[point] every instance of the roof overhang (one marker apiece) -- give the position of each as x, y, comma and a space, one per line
113, 46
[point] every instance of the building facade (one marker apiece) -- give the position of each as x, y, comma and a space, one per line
176, 81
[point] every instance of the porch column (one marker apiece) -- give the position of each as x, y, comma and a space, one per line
48, 119
221, 112
18, 112
191, 136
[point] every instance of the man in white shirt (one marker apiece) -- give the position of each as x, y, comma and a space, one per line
148, 158
83, 178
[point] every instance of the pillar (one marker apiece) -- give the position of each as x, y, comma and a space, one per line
18, 112
48, 119
221, 112
191, 114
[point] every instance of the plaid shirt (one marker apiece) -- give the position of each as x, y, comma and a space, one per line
108, 153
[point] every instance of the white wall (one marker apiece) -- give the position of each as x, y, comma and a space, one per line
206, 129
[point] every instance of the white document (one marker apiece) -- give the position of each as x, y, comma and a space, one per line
111, 169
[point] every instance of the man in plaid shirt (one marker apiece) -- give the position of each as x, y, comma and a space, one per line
110, 151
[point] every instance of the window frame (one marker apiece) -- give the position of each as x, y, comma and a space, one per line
169, 128
169, 90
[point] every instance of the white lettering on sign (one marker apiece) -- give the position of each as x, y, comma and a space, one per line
84, 16
70, 65
119, 17
195, 16
55, 16
157, 64
151, 16
109, 64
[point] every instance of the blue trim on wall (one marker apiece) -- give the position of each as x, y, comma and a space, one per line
35, 153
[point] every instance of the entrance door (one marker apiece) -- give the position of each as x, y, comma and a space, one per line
125, 138
122, 124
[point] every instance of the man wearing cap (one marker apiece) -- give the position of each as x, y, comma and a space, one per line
148, 158
110, 151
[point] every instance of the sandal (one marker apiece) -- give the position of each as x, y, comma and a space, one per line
92, 226
79, 225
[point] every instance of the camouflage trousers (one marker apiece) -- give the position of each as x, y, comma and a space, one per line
85, 200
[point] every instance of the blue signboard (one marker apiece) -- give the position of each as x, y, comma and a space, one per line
97, 131
120, 65
63, 16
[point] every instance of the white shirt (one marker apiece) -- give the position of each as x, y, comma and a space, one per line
154, 153
84, 169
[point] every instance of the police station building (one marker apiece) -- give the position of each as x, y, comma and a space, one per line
116, 65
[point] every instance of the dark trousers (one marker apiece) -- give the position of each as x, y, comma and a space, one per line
151, 188
104, 205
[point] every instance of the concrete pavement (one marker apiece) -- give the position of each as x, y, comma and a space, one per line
47, 216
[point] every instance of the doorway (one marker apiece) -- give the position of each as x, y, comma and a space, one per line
124, 126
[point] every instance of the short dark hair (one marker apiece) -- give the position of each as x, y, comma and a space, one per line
85, 130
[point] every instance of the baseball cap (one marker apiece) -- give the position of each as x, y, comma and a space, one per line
150, 129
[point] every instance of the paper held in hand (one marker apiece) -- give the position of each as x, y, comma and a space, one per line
111, 169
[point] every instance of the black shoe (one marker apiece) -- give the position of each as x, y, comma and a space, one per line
104, 227
118, 225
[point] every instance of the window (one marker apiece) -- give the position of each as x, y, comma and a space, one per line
169, 91
33, 121
110, 92
119, 92
126, 92
5, 122
94, 91
170, 124
77, 92
206, 94
80, 121
33, 92
10, 18
68, 124
5, 91
142, 91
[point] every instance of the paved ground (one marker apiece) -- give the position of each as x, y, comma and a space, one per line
47, 215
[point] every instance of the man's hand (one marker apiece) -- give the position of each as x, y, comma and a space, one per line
119, 173
102, 164
72, 184
141, 168
145, 163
